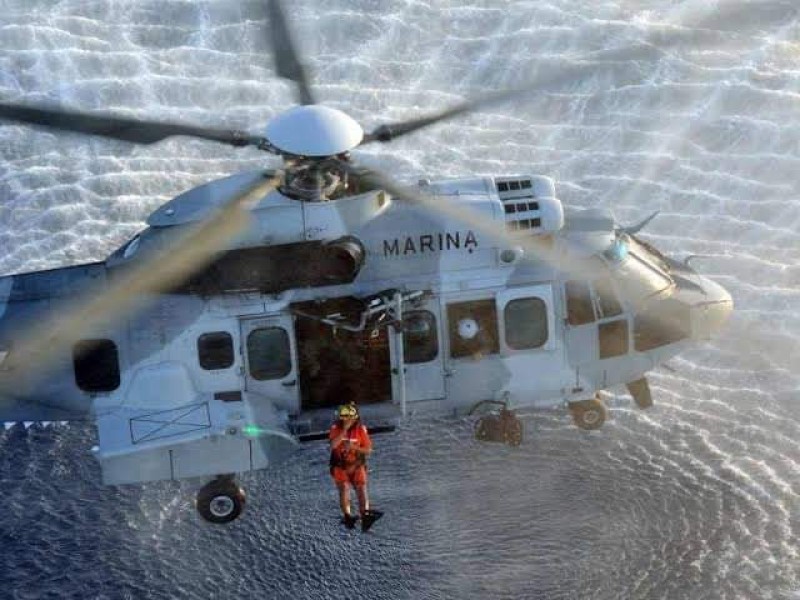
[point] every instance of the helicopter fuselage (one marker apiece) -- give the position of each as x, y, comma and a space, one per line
363, 298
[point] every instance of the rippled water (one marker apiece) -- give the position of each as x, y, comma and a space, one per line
689, 108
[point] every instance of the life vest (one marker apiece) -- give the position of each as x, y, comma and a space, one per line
346, 459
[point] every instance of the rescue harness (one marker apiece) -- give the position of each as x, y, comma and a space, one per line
340, 458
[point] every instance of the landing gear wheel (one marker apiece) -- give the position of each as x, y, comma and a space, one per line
512, 428
220, 501
588, 414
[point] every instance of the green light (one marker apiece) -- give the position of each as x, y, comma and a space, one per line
252, 430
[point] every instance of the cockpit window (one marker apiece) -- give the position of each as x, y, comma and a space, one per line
613, 338
607, 303
579, 303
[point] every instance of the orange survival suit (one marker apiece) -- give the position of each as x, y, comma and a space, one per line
347, 465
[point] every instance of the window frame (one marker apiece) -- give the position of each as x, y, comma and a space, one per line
607, 302
587, 302
431, 317
288, 354
544, 292
543, 313
608, 341
200, 355
457, 305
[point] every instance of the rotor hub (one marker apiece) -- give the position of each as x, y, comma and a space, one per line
314, 131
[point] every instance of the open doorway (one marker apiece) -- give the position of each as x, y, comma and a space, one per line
337, 365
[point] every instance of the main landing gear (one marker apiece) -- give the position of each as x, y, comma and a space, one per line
220, 500
588, 414
502, 427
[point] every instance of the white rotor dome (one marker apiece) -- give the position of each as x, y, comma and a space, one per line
314, 130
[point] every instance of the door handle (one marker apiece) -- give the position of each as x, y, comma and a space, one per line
291, 383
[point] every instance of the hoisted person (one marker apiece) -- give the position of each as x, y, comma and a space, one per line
350, 447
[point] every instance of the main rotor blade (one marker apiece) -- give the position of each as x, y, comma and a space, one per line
732, 14
287, 61
121, 128
128, 291
391, 131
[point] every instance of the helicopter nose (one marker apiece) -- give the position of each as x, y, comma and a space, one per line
708, 316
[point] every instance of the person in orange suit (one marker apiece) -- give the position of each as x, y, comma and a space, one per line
350, 447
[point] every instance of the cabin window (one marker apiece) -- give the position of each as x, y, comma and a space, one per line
473, 328
420, 340
215, 350
269, 353
579, 303
607, 303
96, 364
526, 323
613, 338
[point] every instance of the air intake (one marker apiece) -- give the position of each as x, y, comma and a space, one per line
529, 204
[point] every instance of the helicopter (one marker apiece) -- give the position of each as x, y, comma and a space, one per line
222, 335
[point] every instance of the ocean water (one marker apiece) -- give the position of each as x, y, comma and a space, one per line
689, 108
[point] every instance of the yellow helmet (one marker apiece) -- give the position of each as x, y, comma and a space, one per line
347, 411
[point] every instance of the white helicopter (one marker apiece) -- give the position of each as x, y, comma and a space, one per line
224, 333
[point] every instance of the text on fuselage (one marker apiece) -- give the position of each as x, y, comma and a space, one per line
429, 243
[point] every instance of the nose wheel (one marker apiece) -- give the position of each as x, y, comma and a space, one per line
502, 427
221, 500
588, 414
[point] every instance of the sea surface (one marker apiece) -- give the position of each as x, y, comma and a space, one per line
691, 108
